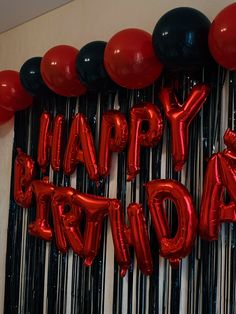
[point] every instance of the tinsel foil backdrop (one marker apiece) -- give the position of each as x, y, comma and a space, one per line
39, 279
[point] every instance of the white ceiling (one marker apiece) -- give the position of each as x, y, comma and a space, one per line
16, 12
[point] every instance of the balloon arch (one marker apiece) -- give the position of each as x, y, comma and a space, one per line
182, 40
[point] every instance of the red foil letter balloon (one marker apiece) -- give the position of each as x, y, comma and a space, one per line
138, 238
50, 138
95, 209
180, 117
181, 244
80, 148
58, 69
220, 175
43, 191
135, 235
113, 138
23, 176
66, 224
138, 137
130, 60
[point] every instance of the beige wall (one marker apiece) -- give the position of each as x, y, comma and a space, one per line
75, 24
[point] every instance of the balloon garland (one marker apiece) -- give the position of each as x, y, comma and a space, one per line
132, 59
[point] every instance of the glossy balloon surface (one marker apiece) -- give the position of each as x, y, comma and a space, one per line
31, 78
130, 60
59, 71
90, 66
12, 94
222, 37
180, 38
5, 115
180, 117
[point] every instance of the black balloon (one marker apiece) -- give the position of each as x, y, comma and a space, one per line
90, 67
31, 78
180, 38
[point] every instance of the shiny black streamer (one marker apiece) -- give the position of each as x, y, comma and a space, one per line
39, 279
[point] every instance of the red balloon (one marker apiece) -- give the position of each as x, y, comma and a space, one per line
151, 114
80, 148
5, 115
50, 141
220, 176
130, 60
12, 94
181, 244
180, 117
222, 37
23, 175
112, 121
58, 69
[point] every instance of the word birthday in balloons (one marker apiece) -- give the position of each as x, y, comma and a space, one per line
91, 210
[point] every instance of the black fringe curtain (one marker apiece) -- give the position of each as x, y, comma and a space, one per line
39, 279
